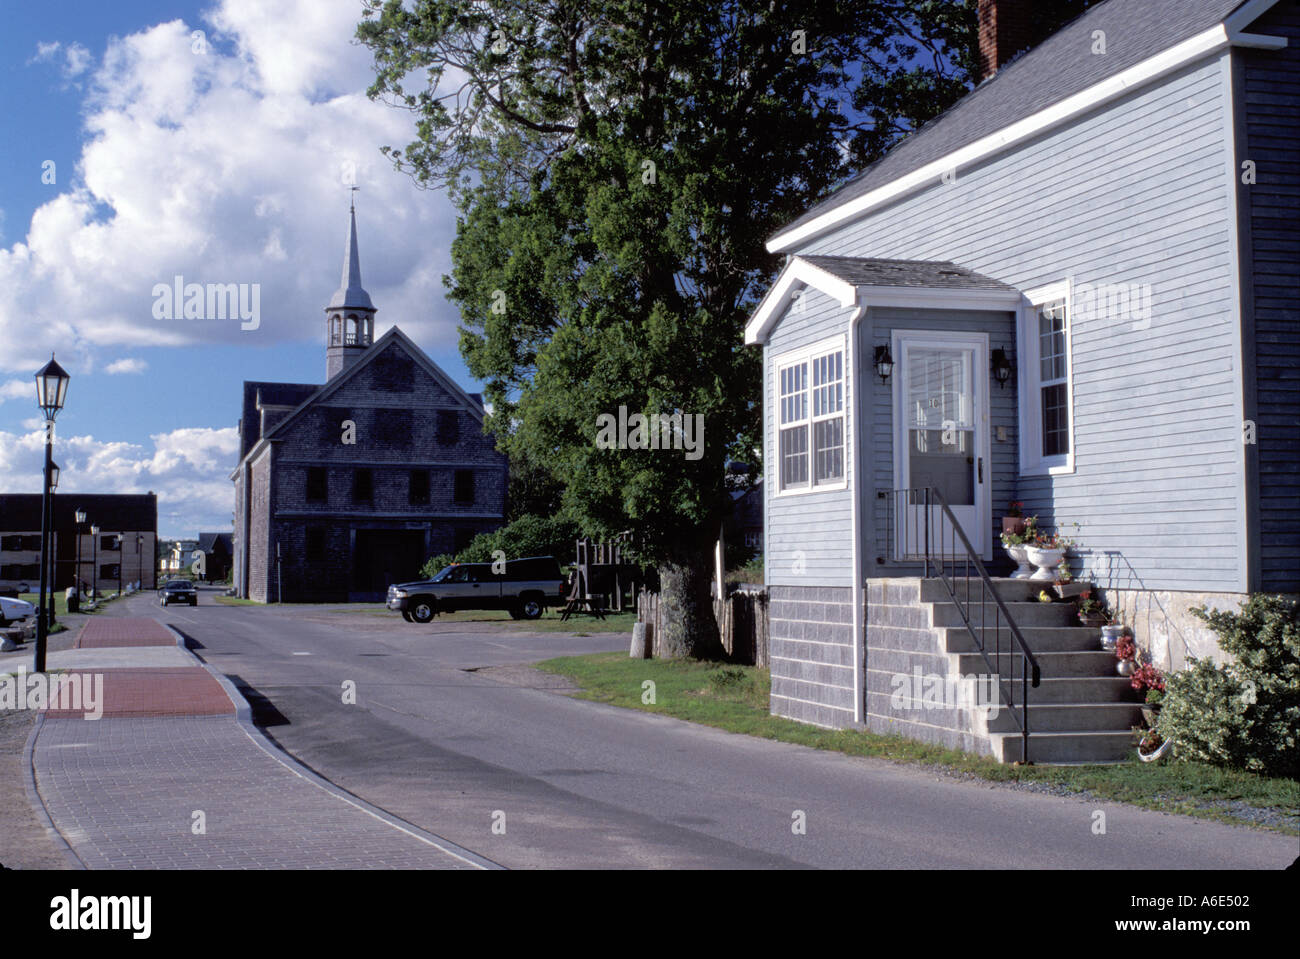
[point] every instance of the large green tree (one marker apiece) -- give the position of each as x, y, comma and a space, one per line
618, 166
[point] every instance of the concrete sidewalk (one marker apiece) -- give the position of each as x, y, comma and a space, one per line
175, 775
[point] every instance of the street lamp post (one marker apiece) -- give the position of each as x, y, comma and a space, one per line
139, 553
118, 542
54, 537
94, 562
80, 517
51, 392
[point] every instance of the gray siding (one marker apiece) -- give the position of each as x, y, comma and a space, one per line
1134, 193
809, 536
1271, 105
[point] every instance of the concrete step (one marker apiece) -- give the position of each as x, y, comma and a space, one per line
1071, 717
1041, 639
1066, 747
1025, 614
934, 590
1073, 690
1061, 665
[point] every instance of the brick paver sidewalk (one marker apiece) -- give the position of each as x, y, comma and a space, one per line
123, 631
173, 778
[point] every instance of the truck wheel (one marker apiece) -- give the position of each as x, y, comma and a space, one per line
407, 616
422, 611
530, 606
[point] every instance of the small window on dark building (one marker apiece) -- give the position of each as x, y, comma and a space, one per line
419, 487
108, 571
32, 542
108, 542
363, 486
333, 418
393, 427
464, 486
317, 485
448, 427
462, 539
11, 544
315, 545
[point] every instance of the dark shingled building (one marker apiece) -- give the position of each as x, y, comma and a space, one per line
345, 488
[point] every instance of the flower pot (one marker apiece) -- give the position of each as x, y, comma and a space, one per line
1013, 524
1156, 753
1046, 560
1110, 635
1020, 556
1126, 667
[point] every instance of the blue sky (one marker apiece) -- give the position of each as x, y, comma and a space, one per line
224, 159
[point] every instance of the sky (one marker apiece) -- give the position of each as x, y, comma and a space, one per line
215, 141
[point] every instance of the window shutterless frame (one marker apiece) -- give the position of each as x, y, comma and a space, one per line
1044, 335
811, 386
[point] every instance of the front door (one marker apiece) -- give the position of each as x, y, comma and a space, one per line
941, 440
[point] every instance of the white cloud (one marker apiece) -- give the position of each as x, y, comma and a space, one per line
76, 58
187, 468
18, 390
226, 167
126, 365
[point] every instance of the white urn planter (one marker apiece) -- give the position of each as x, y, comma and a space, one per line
1046, 560
1020, 556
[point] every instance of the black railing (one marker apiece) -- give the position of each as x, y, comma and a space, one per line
915, 534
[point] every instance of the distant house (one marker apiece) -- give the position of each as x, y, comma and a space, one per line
345, 488
217, 550
180, 557
1077, 289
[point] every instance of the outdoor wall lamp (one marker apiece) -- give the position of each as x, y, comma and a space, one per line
884, 363
1001, 367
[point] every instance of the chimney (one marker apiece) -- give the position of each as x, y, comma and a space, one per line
1005, 30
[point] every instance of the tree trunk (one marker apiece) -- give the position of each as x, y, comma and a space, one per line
689, 628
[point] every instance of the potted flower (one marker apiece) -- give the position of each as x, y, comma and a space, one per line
1013, 521
1092, 612
1151, 683
1152, 745
1126, 653
1046, 552
1017, 546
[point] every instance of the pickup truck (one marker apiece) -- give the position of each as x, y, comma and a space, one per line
525, 588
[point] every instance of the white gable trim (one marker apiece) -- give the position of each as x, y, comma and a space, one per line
798, 272
1149, 70
1247, 14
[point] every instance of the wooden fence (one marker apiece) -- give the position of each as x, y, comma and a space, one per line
742, 623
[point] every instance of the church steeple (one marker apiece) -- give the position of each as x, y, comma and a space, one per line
350, 315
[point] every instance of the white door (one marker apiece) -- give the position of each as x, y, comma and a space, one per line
941, 440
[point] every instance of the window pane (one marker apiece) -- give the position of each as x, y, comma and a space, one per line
794, 398
940, 390
1056, 421
794, 457
828, 384
828, 446
1051, 342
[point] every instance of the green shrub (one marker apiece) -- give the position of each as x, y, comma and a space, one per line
527, 536
1245, 714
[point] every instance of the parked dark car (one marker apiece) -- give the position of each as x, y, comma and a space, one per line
525, 588
178, 591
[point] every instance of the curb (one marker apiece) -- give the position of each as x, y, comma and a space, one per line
244, 716
34, 796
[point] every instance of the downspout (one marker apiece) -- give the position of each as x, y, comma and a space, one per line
855, 512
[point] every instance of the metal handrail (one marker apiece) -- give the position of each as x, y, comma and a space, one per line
1029, 664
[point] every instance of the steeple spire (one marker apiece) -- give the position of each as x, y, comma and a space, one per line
350, 316
350, 292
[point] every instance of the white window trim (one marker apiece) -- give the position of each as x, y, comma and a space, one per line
1032, 462
805, 354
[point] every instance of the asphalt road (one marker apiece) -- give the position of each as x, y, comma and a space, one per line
532, 778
